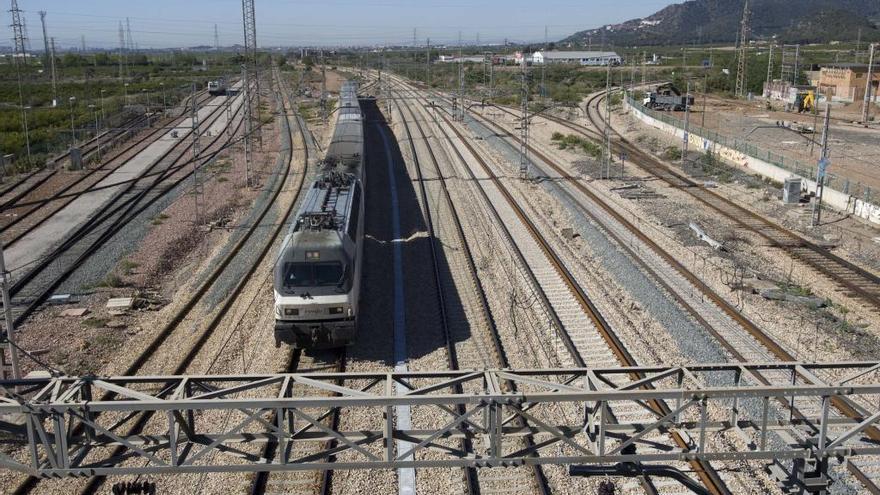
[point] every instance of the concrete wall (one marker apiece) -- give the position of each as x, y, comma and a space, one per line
833, 198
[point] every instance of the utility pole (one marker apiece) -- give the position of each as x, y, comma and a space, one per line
248, 124
770, 66
228, 101
858, 46
606, 132
460, 80
428, 62
632, 77
52, 68
544, 67
491, 76
196, 152
130, 44
524, 163
249, 22
742, 65
869, 86
820, 172
10, 321
121, 53
644, 68
18, 31
45, 39
324, 115
687, 126
705, 97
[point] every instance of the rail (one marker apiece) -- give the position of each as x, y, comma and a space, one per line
744, 146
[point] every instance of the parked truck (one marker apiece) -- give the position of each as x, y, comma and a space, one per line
668, 98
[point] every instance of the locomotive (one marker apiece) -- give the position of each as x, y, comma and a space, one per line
318, 271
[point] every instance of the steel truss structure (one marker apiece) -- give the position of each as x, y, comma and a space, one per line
58, 427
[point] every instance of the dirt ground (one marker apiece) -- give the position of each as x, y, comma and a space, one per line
855, 150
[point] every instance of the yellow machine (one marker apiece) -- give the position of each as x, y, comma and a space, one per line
805, 101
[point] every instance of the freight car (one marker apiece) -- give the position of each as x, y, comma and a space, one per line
668, 98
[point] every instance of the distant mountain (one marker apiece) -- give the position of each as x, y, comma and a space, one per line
718, 21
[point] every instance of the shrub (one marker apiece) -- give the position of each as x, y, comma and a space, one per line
672, 153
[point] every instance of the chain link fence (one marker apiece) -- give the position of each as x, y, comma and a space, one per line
797, 167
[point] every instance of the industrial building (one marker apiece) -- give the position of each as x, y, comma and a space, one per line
581, 58
472, 59
846, 82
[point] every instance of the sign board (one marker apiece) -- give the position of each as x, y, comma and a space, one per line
823, 166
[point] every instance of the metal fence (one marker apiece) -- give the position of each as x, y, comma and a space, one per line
797, 167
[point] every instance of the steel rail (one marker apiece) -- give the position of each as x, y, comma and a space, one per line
8, 204
156, 343
704, 470
544, 246
261, 479
114, 220
860, 283
471, 476
39, 206
206, 332
845, 406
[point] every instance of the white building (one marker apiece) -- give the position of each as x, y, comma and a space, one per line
518, 58
581, 58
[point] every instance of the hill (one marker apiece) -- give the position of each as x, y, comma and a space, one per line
717, 21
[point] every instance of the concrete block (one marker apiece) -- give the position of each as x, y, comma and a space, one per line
120, 303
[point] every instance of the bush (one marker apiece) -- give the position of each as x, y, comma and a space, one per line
672, 153
574, 142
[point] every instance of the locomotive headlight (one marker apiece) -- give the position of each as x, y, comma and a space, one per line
291, 311
336, 311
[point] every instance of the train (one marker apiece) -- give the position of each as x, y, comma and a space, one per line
317, 275
218, 87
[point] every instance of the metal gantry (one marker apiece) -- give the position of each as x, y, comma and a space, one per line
755, 411
524, 162
743, 55
252, 100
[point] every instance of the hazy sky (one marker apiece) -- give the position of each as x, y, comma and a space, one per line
167, 23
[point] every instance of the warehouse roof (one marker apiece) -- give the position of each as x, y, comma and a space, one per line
578, 55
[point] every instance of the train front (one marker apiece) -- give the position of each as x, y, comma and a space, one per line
315, 299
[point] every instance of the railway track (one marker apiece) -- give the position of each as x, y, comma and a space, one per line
31, 289
46, 205
588, 338
89, 148
162, 345
300, 482
854, 281
740, 337
487, 349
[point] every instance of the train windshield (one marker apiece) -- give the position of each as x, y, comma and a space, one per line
313, 274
